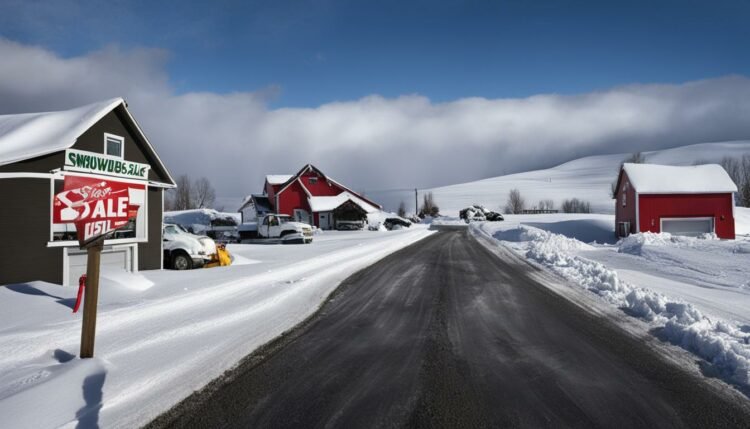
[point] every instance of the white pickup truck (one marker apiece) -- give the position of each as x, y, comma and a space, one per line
282, 227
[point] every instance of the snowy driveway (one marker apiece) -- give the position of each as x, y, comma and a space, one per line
446, 334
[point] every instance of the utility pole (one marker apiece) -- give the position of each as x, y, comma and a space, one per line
416, 203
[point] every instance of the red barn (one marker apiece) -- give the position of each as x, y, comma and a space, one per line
689, 200
312, 197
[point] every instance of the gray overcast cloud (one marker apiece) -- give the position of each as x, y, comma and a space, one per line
372, 143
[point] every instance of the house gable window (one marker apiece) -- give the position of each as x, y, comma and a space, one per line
114, 145
313, 180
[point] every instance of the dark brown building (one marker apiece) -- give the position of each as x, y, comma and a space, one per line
35, 153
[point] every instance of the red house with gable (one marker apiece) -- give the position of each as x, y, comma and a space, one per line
312, 197
685, 200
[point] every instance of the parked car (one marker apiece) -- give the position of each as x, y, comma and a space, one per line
184, 250
349, 225
494, 217
285, 228
477, 213
396, 223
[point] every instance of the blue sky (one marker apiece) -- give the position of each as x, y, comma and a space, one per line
304, 54
384, 95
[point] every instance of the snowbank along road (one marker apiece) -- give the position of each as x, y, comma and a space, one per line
445, 334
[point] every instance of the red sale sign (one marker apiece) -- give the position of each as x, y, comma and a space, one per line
96, 206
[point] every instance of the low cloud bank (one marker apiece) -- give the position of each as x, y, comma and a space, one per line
373, 143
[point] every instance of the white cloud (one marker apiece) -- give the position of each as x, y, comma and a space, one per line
371, 143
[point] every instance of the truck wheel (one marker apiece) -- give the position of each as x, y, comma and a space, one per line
181, 261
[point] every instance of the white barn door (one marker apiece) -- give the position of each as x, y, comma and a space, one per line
326, 220
689, 226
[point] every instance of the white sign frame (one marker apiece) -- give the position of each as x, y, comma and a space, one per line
117, 164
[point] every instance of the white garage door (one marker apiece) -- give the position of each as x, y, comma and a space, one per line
688, 226
113, 258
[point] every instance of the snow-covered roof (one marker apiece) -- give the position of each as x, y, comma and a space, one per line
260, 202
669, 179
326, 204
29, 135
245, 202
278, 179
199, 217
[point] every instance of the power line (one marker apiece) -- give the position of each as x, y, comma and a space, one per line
383, 191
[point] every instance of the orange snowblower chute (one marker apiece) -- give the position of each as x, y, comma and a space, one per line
222, 258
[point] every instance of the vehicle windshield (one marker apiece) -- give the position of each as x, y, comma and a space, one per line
285, 219
174, 229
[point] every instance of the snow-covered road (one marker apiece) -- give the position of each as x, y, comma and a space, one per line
449, 334
163, 334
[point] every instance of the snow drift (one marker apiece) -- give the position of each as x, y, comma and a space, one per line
723, 345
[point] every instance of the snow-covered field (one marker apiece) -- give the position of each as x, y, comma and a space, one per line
586, 178
163, 334
692, 292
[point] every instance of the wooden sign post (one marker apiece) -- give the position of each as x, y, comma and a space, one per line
88, 331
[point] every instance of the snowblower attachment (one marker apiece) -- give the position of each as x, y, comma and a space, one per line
222, 258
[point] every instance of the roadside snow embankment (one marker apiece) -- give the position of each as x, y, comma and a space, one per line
169, 336
722, 344
634, 244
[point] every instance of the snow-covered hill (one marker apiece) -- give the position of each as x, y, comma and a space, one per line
586, 178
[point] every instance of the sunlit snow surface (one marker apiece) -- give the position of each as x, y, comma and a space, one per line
694, 292
586, 178
163, 334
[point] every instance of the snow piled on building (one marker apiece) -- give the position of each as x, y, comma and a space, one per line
326, 204
199, 220
278, 179
670, 179
28, 135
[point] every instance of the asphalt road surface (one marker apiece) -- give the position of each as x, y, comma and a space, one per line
446, 334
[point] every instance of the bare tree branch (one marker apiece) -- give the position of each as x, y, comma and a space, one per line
203, 193
515, 203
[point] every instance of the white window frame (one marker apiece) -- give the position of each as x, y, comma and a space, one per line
67, 243
122, 144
